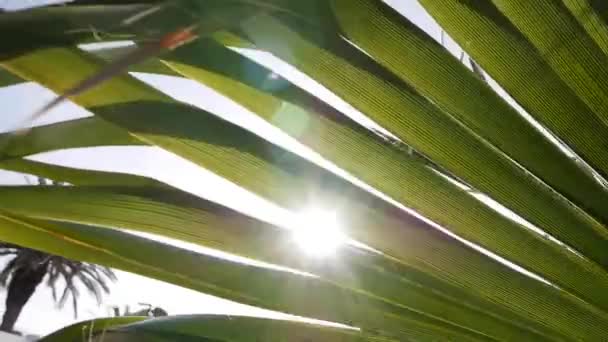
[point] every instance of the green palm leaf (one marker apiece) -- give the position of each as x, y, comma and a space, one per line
83, 330
86, 132
248, 284
589, 15
434, 72
76, 176
565, 46
516, 65
214, 329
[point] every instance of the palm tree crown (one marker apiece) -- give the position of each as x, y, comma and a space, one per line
28, 268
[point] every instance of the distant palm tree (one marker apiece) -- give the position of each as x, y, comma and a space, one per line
28, 269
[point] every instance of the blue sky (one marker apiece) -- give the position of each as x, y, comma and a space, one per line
40, 315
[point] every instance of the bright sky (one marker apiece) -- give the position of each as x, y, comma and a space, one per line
40, 315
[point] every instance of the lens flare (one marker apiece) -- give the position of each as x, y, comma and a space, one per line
317, 232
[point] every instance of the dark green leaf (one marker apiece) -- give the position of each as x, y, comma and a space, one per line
82, 330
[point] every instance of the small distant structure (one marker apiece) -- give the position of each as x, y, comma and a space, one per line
148, 310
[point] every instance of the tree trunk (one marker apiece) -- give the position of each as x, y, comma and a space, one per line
21, 287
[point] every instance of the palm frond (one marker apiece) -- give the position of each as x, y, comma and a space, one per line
528, 187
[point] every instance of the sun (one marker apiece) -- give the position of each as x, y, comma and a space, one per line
317, 232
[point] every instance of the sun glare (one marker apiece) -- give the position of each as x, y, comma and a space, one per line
317, 232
